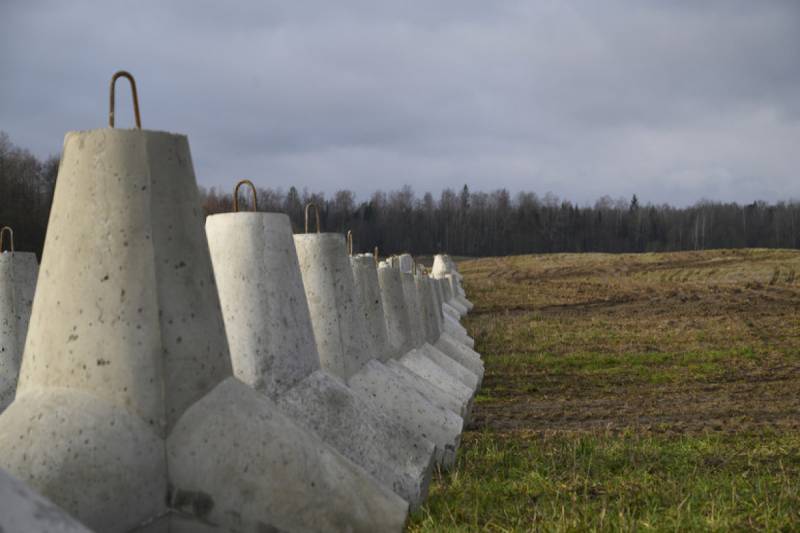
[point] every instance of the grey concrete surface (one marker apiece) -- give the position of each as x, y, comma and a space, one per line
395, 310
18, 273
328, 281
417, 408
126, 390
369, 305
359, 429
271, 337
22, 510
235, 459
341, 331
263, 301
421, 364
464, 355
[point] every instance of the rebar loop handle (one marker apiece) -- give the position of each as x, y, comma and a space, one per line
114, 78
236, 195
316, 214
375, 255
10, 231
349, 242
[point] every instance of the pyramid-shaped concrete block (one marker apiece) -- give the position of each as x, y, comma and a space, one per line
18, 273
340, 330
396, 313
273, 350
126, 384
369, 304
328, 280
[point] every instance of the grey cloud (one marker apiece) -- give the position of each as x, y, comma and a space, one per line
672, 100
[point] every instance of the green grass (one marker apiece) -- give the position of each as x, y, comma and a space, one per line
622, 482
630, 393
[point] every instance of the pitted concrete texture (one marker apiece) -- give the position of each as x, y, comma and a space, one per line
451, 366
464, 355
263, 301
457, 331
262, 295
328, 282
356, 427
418, 314
18, 272
414, 309
395, 310
369, 305
126, 366
387, 390
237, 461
450, 317
22, 510
419, 362
429, 317
432, 321
436, 395
122, 304
102, 464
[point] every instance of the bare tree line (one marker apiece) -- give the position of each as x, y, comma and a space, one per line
461, 222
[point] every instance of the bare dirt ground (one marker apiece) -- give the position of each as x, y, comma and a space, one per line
686, 342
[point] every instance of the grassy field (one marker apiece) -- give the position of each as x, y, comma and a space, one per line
630, 392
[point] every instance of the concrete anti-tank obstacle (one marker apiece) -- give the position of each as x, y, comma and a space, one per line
395, 310
18, 273
450, 345
443, 344
341, 338
370, 304
445, 398
469, 378
441, 265
126, 408
419, 359
445, 322
22, 510
328, 283
456, 310
444, 428
273, 350
370, 297
422, 361
405, 262
460, 295
444, 264
441, 358
450, 311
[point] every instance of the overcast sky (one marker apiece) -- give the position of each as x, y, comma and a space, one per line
674, 101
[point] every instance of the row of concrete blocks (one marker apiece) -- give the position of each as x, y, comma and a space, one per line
287, 387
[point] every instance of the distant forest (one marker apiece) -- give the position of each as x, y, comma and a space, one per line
461, 222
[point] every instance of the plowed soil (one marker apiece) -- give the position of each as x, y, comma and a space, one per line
669, 343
